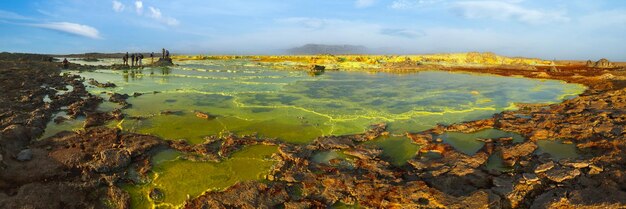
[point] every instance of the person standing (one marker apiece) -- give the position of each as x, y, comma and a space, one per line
125, 59
132, 61
66, 64
139, 58
163, 53
151, 57
167, 53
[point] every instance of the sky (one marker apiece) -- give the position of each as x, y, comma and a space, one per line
548, 29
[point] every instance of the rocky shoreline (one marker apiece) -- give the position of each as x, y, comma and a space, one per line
84, 169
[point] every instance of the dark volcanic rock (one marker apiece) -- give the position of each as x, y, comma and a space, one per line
24, 155
101, 85
118, 98
243, 195
111, 160
560, 175
317, 68
156, 195
163, 62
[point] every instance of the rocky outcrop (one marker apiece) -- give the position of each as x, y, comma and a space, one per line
317, 68
101, 85
553, 69
204, 115
163, 62
603, 63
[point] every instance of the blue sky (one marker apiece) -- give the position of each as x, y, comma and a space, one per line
549, 29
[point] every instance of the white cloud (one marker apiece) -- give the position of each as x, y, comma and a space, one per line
307, 22
400, 32
118, 6
12, 16
139, 7
71, 28
500, 10
155, 13
364, 3
410, 4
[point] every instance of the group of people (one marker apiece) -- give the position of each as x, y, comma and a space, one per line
135, 59
165, 53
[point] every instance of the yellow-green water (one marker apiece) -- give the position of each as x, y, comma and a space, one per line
295, 107
469, 143
179, 179
53, 128
325, 157
396, 149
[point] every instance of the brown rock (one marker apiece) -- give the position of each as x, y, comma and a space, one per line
243, 195
595, 169
204, 115
560, 175
510, 155
603, 63
544, 167
111, 160
540, 134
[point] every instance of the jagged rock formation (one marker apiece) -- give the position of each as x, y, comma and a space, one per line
603, 63
328, 49
553, 69
163, 62
317, 68
590, 63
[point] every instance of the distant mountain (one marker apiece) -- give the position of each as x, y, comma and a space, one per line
328, 49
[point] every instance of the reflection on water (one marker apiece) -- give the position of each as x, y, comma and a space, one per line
396, 149
325, 157
495, 162
557, 149
294, 107
470, 143
67, 124
315, 73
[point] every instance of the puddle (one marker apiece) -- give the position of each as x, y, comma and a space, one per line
557, 149
326, 156
69, 88
179, 179
467, 142
495, 162
53, 128
396, 149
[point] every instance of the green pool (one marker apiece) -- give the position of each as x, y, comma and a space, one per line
295, 107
